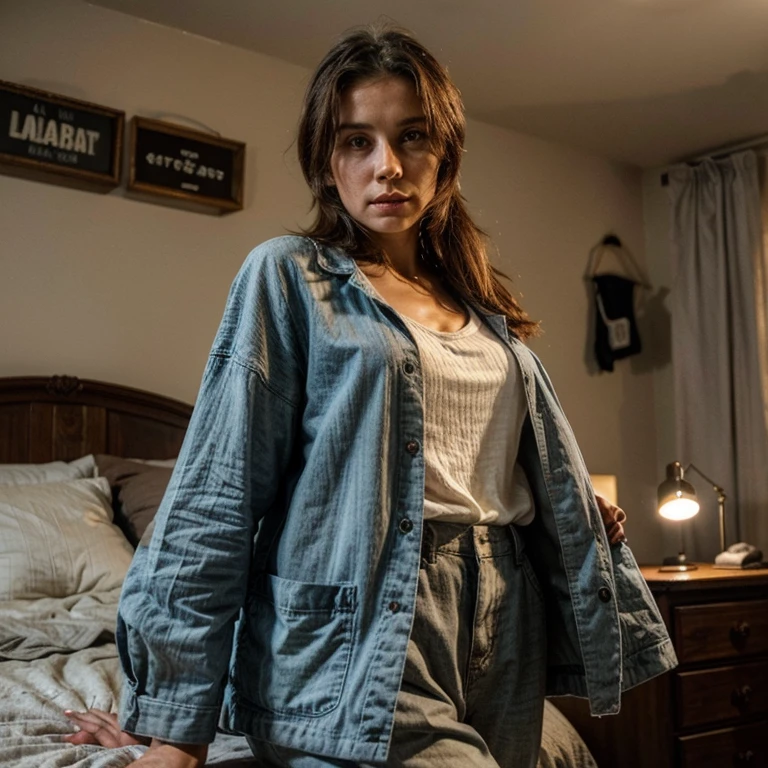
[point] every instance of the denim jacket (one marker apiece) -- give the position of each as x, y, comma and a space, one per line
279, 585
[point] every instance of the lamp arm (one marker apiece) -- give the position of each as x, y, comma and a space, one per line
720, 501
717, 489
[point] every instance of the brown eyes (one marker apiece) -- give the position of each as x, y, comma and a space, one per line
410, 136
414, 135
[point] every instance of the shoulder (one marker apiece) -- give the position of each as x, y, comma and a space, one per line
299, 256
278, 266
267, 299
281, 254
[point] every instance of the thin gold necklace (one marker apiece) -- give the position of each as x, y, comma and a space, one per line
408, 278
419, 258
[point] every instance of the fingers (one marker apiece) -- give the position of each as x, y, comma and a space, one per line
615, 533
615, 530
173, 756
93, 720
613, 519
606, 508
610, 512
95, 716
81, 737
98, 727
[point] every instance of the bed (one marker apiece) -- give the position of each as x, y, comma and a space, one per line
82, 467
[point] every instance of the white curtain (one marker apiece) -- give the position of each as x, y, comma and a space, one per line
718, 346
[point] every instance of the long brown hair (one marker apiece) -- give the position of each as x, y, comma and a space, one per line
453, 244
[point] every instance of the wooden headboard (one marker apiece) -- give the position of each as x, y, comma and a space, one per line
62, 418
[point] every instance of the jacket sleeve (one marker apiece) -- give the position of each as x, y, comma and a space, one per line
186, 585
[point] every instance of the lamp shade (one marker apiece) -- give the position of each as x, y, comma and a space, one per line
677, 497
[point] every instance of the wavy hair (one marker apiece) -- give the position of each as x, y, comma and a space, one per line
453, 245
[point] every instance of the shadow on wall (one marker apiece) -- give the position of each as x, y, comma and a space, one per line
654, 326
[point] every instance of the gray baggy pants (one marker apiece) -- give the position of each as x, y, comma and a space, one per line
472, 694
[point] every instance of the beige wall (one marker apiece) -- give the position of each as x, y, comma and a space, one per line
545, 206
105, 287
657, 213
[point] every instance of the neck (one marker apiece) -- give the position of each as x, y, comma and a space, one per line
402, 251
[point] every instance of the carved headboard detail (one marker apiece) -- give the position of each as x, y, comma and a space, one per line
63, 417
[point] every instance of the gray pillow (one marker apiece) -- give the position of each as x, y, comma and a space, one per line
137, 490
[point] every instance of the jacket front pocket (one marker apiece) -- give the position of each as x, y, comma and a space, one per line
296, 648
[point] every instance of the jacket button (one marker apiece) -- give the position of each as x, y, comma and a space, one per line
406, 526
412, 446
394, 606
604, 594
409, 368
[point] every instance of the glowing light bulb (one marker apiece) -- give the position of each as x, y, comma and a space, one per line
679, 508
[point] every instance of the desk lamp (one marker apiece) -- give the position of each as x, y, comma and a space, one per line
677, 501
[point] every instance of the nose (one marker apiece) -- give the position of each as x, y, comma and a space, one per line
388, 165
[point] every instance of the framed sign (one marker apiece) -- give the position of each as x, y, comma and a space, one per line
47, 137
194, 169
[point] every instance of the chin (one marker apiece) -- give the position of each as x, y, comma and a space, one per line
391, 227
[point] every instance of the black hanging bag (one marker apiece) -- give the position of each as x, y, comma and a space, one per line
616, 334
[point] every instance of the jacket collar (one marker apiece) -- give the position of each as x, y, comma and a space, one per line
338, 262
498, 323
334, 260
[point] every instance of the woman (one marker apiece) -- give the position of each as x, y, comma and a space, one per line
379, 499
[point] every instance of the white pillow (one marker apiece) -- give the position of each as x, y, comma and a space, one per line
53, 472
57, 539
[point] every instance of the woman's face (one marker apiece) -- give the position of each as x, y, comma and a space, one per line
383, 165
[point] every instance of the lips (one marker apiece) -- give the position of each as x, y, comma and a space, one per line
390, 203
390, 198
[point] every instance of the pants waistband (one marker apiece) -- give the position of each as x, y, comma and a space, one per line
481, 541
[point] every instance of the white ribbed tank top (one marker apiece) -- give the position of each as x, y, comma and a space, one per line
473, 415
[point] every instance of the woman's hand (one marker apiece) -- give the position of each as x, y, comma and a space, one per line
613, 519
164, 755
102, 728
97, 727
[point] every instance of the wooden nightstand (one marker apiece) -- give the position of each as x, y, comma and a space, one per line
710, 712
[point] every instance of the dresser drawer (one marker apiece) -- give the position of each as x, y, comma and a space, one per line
722, 693
744, 747
721, 630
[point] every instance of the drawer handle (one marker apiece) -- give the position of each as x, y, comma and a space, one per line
741, 631
746, 757
742, 696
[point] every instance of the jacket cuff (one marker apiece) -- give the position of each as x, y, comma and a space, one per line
648, 663
167, 720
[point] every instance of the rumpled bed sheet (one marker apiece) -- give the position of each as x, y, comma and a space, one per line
58, 654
